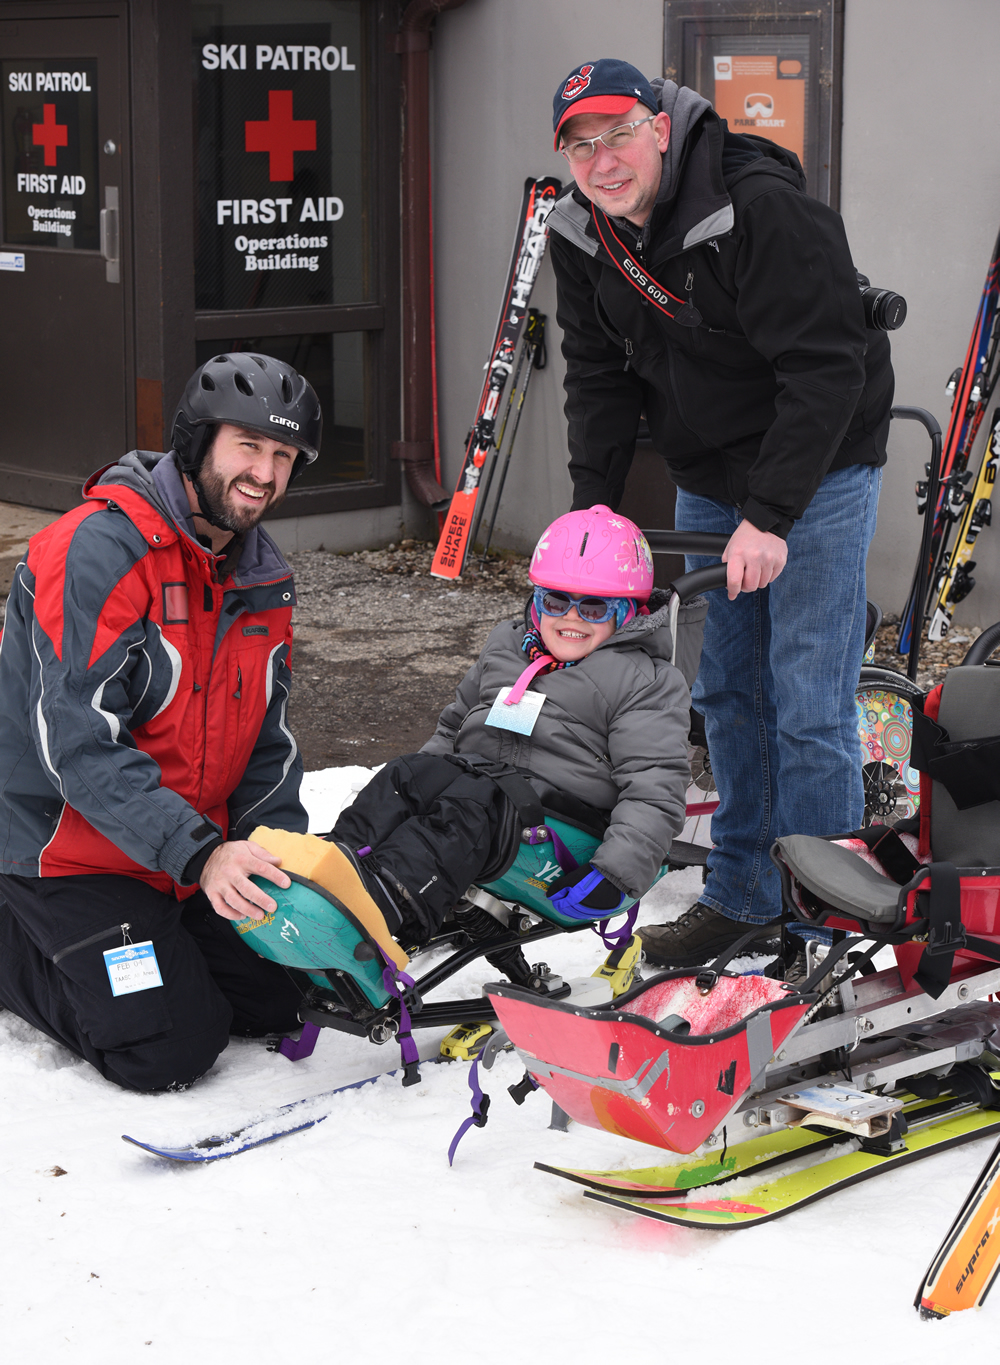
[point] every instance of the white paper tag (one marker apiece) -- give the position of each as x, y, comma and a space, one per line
132, 968
521, 716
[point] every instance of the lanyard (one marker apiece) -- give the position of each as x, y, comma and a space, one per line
681, 311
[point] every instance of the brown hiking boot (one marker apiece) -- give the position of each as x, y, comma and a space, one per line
700, 935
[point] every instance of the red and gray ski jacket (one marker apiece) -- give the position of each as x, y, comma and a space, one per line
143, 700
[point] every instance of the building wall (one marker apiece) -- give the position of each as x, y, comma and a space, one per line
918, 192
496, 64
920, 195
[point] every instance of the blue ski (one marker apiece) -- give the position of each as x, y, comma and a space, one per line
279, 1123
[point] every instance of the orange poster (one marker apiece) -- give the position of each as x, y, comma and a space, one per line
763, 95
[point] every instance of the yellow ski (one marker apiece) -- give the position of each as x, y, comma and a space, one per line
759, 1154
814, 1175
956, 581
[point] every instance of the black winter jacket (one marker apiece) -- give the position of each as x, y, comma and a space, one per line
781, 382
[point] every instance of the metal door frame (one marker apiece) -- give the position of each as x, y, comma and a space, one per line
36, 11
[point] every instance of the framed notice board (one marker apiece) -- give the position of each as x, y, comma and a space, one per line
771, 69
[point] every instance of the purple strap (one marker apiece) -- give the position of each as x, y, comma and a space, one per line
295, 1051
614, 938
564, 858
391, 979
364, 852
477, 1119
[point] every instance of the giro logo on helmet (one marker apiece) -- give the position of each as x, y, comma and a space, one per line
284, 422
577, 83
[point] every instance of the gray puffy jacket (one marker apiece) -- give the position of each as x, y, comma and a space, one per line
612, 732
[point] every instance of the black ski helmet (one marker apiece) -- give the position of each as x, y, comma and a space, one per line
252, 391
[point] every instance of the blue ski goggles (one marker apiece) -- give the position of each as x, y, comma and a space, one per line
594, 610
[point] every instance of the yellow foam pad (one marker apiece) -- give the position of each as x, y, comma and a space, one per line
307, 855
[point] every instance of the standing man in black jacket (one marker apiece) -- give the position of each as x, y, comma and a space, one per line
701, 287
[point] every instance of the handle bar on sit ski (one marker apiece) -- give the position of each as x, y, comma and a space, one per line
688, 586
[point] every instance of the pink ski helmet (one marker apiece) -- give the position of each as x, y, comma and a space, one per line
594, 551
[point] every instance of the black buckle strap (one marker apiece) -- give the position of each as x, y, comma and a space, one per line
516, 788
969, 770
946, 934
709, 975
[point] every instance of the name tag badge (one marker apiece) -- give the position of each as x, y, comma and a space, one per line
521, 716
132, 968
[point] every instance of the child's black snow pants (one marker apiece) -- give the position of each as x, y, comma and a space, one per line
434, 827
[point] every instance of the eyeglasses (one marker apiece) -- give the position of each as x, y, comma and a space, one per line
594, 610
613, 139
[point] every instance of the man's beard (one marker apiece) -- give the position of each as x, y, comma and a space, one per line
225, 514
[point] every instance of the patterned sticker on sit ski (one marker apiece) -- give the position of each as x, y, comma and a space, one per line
132, 968
520, 717
885, 728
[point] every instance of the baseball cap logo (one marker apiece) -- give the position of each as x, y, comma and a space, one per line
577, 83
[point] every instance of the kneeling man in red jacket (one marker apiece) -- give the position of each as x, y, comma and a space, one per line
144, 670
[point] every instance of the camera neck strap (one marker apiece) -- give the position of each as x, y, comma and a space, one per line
681, 311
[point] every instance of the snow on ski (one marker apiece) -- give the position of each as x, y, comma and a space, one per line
973, 388
529, 248
278, 1123
966, 1263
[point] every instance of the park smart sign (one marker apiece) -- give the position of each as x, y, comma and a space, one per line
279, 155
764, 95
50, 153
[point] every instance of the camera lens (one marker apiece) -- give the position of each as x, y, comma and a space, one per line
885, 310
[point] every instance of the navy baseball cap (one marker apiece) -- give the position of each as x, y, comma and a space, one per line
604, 87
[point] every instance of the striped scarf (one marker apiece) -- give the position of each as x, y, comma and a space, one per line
533, 647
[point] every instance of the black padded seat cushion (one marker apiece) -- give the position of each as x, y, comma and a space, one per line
840, 878
970, 708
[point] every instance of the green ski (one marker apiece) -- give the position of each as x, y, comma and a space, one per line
751, 1201
758, 1154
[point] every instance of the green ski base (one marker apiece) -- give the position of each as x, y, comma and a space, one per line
648, 1181
664, 1192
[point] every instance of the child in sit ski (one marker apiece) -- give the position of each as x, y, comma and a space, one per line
582, 701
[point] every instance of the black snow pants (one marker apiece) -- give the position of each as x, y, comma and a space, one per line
434, 827
53, 935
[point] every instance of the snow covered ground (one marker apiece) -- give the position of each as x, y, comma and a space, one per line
354, 1241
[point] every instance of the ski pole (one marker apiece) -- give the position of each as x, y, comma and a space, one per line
933, 428
482, 501
535, 338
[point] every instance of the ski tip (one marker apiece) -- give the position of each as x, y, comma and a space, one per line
186, 1154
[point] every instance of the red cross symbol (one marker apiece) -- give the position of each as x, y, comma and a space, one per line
280, 135
49, 134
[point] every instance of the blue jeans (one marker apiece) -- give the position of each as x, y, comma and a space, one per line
776, 687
